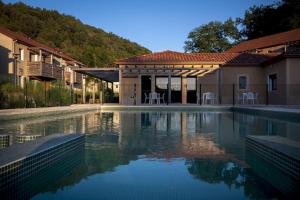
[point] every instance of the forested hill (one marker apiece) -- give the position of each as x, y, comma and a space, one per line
88, 44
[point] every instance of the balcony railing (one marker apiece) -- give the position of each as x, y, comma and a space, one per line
41, 69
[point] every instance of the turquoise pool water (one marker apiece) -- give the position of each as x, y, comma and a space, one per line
157, 155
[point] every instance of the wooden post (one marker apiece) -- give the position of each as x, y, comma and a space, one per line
93, 92
169, 89
45, 88
83, 89
183, 90
200, 94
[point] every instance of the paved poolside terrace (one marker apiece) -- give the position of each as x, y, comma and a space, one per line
281, 111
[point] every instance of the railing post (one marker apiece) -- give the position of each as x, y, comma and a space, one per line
267, 94
60, 93
45, 93
25, 92
233, 96
71, 94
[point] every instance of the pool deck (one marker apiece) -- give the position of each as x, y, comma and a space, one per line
19, 113
282, 153
165, 107
280, 144
282, 111
21, 151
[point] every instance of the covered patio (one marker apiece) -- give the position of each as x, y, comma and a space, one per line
106, 77
170, 77
172, 84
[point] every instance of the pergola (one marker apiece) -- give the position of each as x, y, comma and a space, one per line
108, 75
173, 70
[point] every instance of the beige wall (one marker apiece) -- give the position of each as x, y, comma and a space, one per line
255, 82
127, 90
6, 47
293, 81
209, 83
278, 96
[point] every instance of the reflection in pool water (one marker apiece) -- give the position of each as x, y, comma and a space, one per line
160, 155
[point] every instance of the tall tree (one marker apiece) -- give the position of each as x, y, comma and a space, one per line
213, 37
269, 19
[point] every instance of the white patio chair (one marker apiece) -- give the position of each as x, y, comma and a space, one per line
251, 97
146, 97
158, 98
150, 98
154, 97
162, 98
243, 98
209, 97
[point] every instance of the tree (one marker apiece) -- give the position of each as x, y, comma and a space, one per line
213, 37
270, 19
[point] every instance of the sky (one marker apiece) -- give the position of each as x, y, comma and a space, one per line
155, 24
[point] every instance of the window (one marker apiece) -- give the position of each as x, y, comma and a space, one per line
242, 82
21, 54
272, 82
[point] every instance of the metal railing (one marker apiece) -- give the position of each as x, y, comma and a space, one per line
44, 69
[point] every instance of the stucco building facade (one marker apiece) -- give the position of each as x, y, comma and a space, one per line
268, 67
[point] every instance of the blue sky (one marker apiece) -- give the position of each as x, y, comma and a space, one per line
155, 24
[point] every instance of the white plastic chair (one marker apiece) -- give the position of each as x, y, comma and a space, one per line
154, 97
243, 98
251, 97
146, 97
162, 98
209, 97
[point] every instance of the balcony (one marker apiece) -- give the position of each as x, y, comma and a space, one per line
44, 70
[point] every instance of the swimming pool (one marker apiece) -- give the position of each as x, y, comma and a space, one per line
157, 155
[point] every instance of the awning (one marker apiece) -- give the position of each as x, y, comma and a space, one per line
106, 74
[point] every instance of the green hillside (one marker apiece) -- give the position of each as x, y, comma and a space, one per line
88, 44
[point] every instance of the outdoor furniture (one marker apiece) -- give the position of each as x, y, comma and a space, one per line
251, 97
247, 97
162, 98
243, 98
209, 97
154, 97
146, 97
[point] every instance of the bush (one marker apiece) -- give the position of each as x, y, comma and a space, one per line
58, 95
11, 96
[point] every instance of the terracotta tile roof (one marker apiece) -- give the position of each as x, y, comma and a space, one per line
171, 57
267, 41
33, 43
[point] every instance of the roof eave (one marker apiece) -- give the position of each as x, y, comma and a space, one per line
168, 63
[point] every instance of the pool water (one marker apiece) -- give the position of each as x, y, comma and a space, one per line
158, 155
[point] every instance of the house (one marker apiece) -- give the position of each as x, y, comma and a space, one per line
268, 67
24, 59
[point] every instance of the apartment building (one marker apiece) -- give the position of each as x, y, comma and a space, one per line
25, 59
